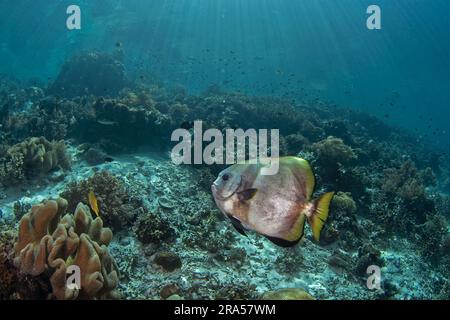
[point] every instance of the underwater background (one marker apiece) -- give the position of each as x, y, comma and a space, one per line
86, 115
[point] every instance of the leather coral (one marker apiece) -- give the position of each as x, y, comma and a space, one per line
51, 241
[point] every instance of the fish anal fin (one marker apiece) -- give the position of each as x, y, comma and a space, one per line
293, 236
298, 229
320, 214
240, 230
282, 242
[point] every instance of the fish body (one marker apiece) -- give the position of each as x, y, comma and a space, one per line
275, 206
106, 122
93, 203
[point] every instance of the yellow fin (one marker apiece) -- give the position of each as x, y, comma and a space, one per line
320, 214
301, 169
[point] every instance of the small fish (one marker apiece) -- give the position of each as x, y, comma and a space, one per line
187, 125
275, 206
119, 44
109, 159
107, 122
93, 203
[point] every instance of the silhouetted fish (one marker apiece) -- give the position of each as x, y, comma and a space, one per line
187, 125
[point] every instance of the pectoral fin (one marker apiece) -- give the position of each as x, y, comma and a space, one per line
247, 194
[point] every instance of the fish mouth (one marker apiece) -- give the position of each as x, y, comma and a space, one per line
218, 195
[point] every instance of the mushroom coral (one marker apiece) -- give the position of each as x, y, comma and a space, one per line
51, 241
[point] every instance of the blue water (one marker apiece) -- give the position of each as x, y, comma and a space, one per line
396, 206
307, 50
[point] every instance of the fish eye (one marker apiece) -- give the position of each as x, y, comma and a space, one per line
225, 177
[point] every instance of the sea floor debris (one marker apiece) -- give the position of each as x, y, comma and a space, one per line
243, 267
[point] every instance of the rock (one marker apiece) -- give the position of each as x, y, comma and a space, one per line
368, 255
167, 260
169, 291
175, 297
287, 294
94, 156
340, 262
166, 203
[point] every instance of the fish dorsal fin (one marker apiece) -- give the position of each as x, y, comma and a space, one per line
301, 169
247, 194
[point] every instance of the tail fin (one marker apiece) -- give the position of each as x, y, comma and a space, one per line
320, 214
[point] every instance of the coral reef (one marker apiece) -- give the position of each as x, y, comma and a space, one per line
289, 262
124, 121
333, 151
390, 209
434, 238
332, 154
404, 182
117, 208
151, 228
32, 157
342, 224
77, 79
404, 188
50, 117
51, 241
168, 261
237, 290
367, 256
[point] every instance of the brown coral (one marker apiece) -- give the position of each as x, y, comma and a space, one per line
76, 77
32, 157
117, 207
151, 228
333, 150
342, 223
404, 181
50, 242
